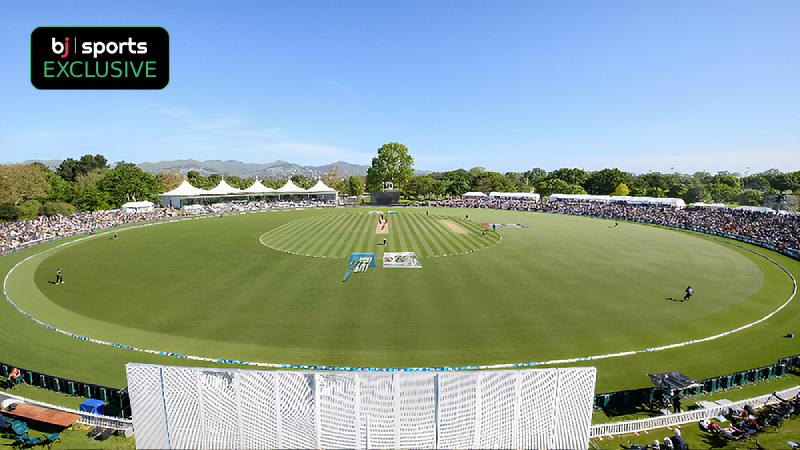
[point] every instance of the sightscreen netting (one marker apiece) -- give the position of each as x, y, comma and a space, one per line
180, 407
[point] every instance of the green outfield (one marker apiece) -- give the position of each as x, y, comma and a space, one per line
268, 287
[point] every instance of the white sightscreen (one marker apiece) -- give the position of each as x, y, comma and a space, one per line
183, 407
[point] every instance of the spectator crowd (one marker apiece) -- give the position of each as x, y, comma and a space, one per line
778, 231
15, 235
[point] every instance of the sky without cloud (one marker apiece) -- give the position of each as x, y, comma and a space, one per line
510, 85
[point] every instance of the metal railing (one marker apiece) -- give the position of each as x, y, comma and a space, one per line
669, 420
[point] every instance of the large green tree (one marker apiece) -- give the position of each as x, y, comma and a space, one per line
20, 183
70, 169
456, 181
604, 182
394, 164
127, 181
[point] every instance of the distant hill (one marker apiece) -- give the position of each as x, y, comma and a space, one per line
52, 164
345, 168
275, 170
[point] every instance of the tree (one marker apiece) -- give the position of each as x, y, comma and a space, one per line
28, 210
51, 209
127, 182
331, 176
20, 183
61, 191
419, 186
90, 178
457, 182
548, 186
170, 180
723, 192
69, 169
492, 181
299, 179
355, 185
394, 164
92, 199
604, 182
8, 212
757, 182
533, 175
751, 197
571, 176
621, 190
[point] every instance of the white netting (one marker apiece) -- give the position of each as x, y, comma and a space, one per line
497, 396
417, 410
259, 409
458, 411
182, 405
338, 415
296, 406
178, 407
377, 410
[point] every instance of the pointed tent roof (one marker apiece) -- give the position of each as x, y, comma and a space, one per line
291, 188
321, 188
184, 190
223, 188
258, 188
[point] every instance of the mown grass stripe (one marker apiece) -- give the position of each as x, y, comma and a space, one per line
419, 237
288, 239
357, 236
446, 248
339, 244
367, 227
329, 235
472, 240
455, 239
300, 241
424, 234
407, 241
397, 232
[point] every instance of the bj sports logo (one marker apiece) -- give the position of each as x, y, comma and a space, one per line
99, 58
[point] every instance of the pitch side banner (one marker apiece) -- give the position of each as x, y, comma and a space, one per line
406, 260
99, 58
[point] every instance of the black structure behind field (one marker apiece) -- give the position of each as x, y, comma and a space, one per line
384, 198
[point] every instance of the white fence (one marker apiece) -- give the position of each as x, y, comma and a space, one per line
179, 407
669, 420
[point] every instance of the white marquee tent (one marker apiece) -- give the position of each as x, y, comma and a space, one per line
223, 188
674, 202
515, 195
581, 198
474, 194
186, 194
258, 188
137, 207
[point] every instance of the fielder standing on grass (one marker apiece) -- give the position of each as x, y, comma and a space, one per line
688, 295
59, 280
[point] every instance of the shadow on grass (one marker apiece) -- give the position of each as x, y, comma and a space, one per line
631, 412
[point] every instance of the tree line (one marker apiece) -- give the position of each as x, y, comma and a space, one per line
91, 184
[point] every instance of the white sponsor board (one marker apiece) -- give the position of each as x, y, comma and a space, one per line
185, 407
401, 259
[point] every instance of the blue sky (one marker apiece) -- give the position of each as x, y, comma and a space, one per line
638, 85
